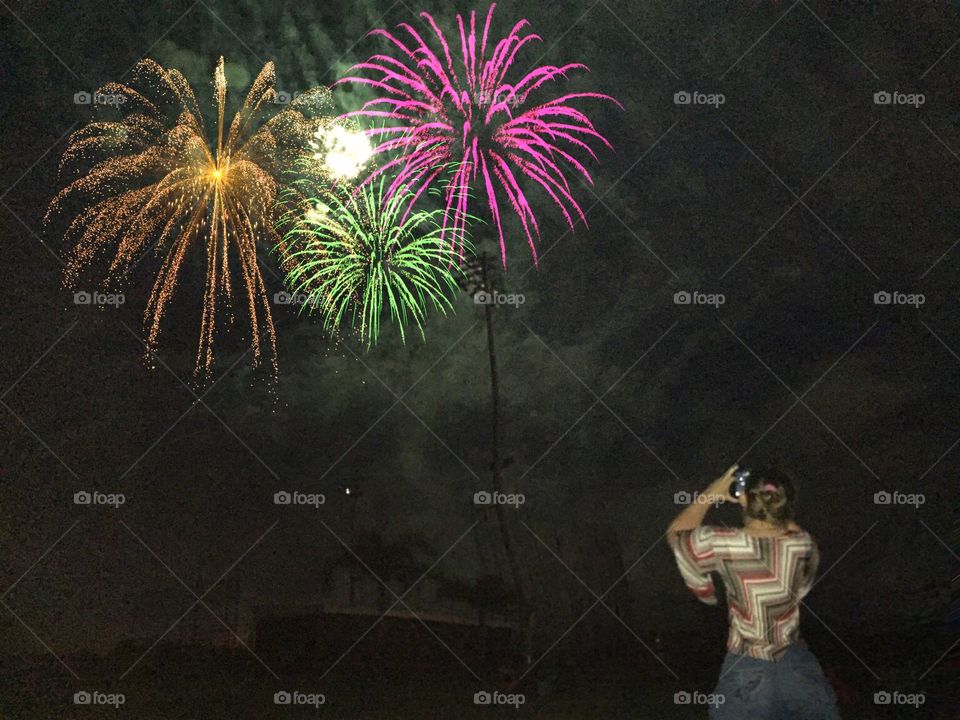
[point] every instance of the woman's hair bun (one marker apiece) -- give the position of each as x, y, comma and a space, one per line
770, 496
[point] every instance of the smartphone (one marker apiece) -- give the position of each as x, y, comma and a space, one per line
739, 485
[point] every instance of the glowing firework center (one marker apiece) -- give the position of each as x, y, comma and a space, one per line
344, 152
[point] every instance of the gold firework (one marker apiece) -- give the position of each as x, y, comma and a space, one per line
153, 177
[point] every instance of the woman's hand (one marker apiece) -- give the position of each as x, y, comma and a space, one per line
692, 515
719, 489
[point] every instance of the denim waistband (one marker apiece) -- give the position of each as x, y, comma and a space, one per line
797, 648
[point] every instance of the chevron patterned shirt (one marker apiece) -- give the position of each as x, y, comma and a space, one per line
765, 579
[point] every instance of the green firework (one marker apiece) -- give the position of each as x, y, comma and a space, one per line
358, 251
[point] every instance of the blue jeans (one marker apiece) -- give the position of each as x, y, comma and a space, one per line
793, 688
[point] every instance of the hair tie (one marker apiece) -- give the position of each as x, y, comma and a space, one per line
770, 487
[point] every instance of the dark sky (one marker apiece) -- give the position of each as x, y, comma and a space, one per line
797, 199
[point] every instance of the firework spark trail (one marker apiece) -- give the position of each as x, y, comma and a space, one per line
467, 112
152, 176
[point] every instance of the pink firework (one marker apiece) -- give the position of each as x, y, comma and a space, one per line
465, 113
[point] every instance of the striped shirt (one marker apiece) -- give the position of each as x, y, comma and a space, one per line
765, 579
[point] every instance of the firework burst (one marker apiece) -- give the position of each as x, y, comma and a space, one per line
152, 178
473, 110
356, 251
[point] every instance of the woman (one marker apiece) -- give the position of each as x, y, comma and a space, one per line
767, 567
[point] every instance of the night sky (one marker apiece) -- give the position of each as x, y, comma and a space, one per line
797, 200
